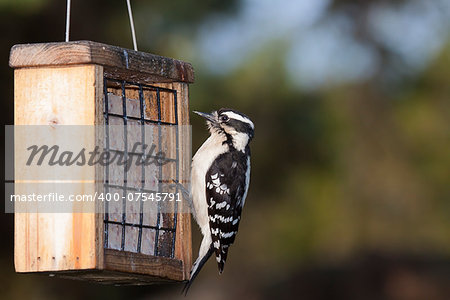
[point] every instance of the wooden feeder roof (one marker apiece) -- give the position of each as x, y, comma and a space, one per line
118, 62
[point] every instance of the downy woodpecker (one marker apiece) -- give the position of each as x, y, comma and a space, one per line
220, 176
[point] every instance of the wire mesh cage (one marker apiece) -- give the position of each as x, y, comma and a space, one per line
140, 103
131, 104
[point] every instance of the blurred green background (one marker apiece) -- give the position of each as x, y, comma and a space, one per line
350, 194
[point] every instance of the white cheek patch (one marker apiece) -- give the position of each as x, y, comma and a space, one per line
240, 141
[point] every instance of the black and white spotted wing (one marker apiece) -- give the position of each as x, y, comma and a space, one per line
225, 192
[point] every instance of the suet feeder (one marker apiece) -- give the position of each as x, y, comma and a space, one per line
89, 83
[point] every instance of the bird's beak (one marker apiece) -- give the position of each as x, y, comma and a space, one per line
209, 117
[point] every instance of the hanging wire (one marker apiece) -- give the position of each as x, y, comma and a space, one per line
130, 15
67, 20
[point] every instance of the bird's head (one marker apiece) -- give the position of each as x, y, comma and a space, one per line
231, 124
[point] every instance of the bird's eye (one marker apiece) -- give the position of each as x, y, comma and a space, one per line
224, 118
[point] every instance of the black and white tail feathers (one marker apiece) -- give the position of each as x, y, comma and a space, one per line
196, 269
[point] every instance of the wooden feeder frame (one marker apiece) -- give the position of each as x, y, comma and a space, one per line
85, 66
